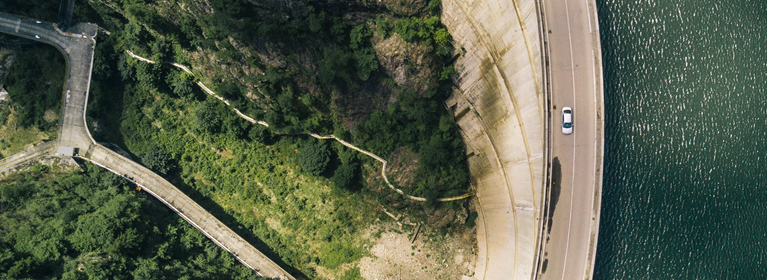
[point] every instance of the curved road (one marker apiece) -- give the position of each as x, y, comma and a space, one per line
77, 46
575, 70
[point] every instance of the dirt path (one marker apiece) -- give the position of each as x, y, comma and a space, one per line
312, 134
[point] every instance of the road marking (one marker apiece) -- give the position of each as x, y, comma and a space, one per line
572, 66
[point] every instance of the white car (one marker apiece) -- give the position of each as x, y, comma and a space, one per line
38, 37
39, 21
567, 120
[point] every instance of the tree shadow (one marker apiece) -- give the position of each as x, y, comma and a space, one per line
230, 221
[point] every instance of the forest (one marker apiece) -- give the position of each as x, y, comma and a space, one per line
95, 225
34, 82
291, 96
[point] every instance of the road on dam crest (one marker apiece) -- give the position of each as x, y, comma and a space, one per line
520, 62
575, 72
77, 45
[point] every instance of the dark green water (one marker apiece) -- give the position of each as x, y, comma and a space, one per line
685, 186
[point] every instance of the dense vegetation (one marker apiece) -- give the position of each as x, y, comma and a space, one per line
313, 157
95, 226
294, 94
306, 222
40, 9
34, 82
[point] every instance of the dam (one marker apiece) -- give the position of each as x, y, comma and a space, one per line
518, 62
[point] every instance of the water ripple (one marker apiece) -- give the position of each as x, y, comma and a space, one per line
686, 144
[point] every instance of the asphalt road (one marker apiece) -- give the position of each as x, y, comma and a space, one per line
576, 81
77, 47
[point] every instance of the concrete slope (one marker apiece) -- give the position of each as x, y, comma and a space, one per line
189, 210
500, 106
66, 9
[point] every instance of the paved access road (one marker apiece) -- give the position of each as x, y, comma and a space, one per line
576, 81
77, 45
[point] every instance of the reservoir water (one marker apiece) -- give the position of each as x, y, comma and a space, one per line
685, 186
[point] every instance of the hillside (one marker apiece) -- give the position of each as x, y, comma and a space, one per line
373, 73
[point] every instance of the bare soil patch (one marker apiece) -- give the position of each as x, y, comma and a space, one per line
432, 255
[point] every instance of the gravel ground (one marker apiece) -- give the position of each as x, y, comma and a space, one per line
440, 257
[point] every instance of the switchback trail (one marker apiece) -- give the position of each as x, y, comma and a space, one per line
312, 134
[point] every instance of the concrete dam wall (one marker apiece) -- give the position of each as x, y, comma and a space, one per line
499, 104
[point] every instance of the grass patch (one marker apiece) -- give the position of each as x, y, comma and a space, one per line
15, 139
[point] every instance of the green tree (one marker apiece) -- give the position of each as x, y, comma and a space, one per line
229, 90
313, 157
34, 84
206, 117
64, 224
260, 133
146, 75
366, 62
159, 160
359, 36
182, 86
332, 65
126, 71
346, 175
147, 270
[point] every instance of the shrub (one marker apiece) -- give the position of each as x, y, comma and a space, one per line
470, 222
206, 118
313, 157
158, 159
337, 254
346, 175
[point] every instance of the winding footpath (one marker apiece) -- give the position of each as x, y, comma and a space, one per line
312, 134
